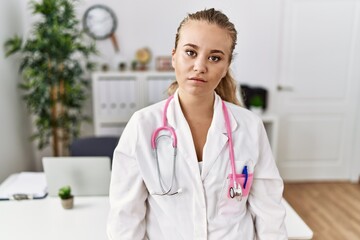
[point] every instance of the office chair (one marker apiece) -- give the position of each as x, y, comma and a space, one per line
94, 146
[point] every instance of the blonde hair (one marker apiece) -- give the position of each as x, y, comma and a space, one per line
227, 87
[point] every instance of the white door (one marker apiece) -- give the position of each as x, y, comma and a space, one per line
318, 88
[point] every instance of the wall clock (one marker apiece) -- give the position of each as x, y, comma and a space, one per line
100, 22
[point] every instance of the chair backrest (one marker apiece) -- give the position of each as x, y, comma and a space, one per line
94, 146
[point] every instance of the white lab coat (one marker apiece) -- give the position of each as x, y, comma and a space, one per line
203, 210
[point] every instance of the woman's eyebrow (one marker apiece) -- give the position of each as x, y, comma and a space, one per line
196, 47
191, 45
217, 51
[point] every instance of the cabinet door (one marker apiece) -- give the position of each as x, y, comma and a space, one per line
116, 98
317, 89
157, 85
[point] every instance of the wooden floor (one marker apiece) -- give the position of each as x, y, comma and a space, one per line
331, 210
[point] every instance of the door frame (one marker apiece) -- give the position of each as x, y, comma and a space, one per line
355, 161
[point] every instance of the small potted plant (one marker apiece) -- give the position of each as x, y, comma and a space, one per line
67, 199
256, 104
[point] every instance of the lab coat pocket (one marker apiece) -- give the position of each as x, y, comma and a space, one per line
233, 206
245, 180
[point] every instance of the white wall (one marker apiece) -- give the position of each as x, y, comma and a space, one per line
153, 24
15, 148
140, 24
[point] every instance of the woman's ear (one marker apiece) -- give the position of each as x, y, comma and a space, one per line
173, 57
224, 75
225, 72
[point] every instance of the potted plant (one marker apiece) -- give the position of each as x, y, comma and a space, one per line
54, 59
256, 104
67, 199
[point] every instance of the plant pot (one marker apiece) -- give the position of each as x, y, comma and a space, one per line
67, 203
257, 110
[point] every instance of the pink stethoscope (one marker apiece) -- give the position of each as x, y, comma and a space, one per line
234, 188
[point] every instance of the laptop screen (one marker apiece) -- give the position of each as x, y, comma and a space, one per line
87, 176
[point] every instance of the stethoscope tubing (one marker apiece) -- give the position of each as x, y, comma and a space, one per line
155, 137
231, 147
164, 127
161, 181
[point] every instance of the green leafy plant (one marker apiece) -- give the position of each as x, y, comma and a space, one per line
53, 62
65, 192
256, 101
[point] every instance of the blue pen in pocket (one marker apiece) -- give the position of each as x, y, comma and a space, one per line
245, 171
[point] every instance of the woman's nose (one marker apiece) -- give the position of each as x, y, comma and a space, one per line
200, 65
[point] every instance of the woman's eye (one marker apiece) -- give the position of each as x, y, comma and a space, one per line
214, 58
190, 53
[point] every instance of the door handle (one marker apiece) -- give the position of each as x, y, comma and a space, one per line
285, 88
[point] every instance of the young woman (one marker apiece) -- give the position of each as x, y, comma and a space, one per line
197, 165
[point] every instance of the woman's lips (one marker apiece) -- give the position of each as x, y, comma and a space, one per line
197, 79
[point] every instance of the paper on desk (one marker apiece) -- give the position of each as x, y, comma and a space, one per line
30, 183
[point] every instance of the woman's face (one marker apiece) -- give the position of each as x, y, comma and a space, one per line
201, 58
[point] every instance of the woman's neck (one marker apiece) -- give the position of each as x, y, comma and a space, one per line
198, 112
196, 107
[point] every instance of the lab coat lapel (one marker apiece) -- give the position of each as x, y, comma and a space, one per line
217, 138
177, 120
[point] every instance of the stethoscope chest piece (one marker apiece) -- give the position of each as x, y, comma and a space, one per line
235, 191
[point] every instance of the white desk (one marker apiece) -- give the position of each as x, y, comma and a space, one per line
45, 219
295, 226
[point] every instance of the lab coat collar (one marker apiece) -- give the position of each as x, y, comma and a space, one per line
218, 117
175, 115
185, 146
216, 137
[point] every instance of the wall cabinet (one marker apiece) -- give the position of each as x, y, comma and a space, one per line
117, 95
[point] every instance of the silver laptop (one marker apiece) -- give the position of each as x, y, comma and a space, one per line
87, 176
